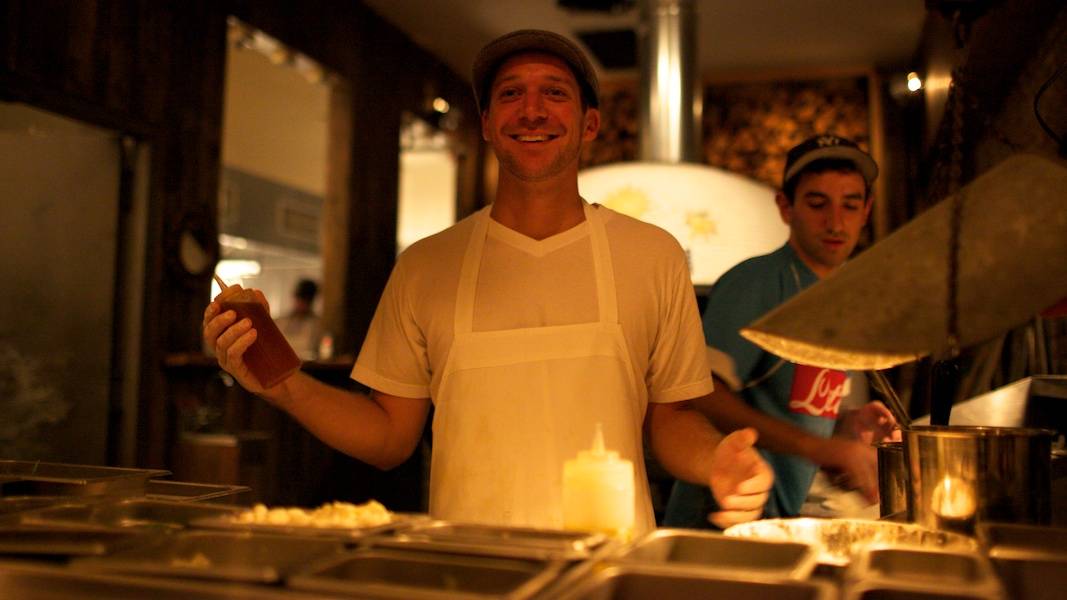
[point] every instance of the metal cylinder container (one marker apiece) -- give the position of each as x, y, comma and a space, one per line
892, 480
960, 476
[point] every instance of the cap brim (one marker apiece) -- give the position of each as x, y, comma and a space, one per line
864, 163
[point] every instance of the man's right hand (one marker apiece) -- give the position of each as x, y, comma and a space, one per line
230, 339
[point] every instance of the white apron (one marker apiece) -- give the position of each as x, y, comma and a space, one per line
514, 404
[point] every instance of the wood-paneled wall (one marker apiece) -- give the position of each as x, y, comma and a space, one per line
155, 70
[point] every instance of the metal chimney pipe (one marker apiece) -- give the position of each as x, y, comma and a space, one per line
671, 94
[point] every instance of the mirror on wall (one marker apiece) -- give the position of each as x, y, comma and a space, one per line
273, 180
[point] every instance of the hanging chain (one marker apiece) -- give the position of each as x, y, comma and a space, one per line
955, 178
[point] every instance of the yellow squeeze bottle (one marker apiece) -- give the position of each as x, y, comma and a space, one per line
598, 491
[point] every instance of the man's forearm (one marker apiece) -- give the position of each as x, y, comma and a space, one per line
351, 422
682, 440
728, 412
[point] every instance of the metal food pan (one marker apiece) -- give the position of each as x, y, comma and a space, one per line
378, 573
1030, 560
182, 491
837, 540
1004, 539
131, 513
492, 540
713, 551
920, 566
12, 505
637, 582
37, 541
246, 557
27, 478
27, 580
229, 523
1033, 576
904, 591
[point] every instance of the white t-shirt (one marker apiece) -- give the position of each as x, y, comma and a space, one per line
536, 283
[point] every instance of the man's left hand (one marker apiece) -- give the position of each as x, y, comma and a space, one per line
740, 479
871, 424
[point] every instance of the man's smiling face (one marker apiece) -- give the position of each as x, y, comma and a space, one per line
535, 121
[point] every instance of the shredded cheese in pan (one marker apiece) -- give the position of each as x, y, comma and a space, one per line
331, 514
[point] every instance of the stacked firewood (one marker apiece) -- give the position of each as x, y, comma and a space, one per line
747, 128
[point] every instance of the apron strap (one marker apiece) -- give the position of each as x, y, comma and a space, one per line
468, 275
607, 300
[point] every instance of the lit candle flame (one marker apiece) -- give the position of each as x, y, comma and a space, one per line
954, 498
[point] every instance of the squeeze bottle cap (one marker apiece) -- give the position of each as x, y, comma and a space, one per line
598, 451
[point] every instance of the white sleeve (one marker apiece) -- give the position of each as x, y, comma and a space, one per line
393, 358
679, 366
722, 365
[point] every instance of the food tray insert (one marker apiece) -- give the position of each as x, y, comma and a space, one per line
378, 573
181, 491
247, 557
712, 551
228, 523
35, 581
131, 513
886, 591
491, 540
28, 477
837, 540
1030, 560
23, 540
935, 568
634, 582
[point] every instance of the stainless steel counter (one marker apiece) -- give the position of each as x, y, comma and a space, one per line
104, 546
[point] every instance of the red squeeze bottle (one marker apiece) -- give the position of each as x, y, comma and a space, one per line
270, 358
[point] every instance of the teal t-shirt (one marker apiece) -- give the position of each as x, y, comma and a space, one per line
769, 384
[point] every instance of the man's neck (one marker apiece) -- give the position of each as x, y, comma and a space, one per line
537, 210
821, 271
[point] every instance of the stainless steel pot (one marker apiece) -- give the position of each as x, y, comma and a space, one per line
963, 475
892, 480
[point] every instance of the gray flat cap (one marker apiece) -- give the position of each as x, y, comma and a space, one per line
493, 54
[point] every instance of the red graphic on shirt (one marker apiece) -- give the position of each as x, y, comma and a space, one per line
817, 391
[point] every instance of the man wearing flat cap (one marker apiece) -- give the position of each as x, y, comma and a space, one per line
825, 200
527, 325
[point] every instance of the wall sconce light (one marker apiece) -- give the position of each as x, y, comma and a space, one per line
903, 87
915, 83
